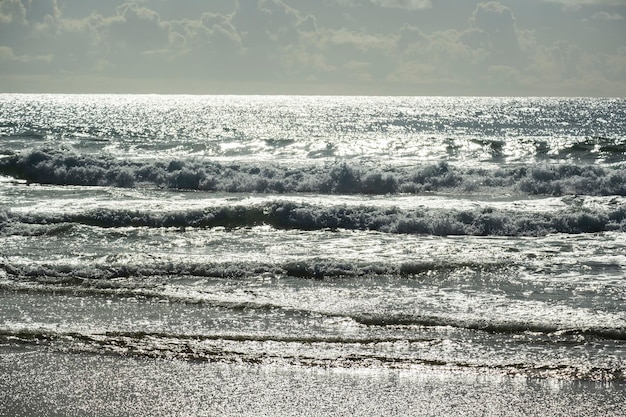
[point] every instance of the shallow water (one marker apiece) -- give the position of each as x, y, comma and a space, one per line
89, 385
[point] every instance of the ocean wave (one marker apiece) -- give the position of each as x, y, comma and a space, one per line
58, 281
66, 167
291, 215
299, 351
505, 327
26, 335
102, 276
554, 332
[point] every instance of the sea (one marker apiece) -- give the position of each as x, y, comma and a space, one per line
312, 255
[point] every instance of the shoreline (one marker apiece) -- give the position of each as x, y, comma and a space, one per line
43, 383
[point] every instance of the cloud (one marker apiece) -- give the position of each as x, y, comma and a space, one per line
344, 55
577, 3
404, 4
12, 11
212, 32
8, 56
441, 57
14, 28
40, 10
272, 36
607, 16
270, 22
135, 28
493, 29
6, 53
492, 17
485, 47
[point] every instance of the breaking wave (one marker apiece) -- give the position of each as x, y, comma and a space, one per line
63, 167
291, 215
99, 276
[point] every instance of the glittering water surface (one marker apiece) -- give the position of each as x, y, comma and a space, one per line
309, 236
105, 385
384, 129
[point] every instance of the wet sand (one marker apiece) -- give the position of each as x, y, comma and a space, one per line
42, 383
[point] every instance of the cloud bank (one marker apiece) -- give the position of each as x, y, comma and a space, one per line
328, 47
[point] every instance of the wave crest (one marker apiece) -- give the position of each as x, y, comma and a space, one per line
291, 215
62, 167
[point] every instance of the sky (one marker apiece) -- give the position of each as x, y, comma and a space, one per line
364, 47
